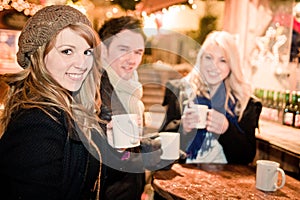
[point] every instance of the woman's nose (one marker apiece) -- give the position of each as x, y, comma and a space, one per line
213, 64
80, 61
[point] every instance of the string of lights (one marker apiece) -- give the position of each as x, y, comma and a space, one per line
27, 8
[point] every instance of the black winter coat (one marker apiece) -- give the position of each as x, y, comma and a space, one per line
118, 184
39, 161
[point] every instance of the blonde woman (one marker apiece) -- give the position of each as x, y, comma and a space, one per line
50, 112
217, 81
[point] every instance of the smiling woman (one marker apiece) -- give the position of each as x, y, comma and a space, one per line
217, 81
46, 146
70, 60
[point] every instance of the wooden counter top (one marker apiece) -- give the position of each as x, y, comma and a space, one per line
285, 137
215, 181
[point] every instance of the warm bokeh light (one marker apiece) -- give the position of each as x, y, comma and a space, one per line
20, 6
150, 26
172, 18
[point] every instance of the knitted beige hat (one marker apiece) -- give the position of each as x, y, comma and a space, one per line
42, 26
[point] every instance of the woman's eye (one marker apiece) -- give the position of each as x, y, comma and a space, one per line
223, 60
207, 57
123, 50
67, 51
88, 52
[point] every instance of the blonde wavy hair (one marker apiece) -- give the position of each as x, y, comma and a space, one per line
235, 84
34, 87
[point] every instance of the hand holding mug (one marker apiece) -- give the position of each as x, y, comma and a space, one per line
110, 137
170, 145
151, 152
123, 131
109, 133
194, 116
216, 122
189, 119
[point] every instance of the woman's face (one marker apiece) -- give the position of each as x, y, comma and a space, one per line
125, 53
70, 60
214, 65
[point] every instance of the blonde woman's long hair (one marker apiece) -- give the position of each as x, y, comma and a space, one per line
235, 84
34, 87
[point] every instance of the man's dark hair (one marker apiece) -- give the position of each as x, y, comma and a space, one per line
114, 26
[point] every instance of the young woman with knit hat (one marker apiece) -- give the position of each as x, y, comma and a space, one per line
50, 113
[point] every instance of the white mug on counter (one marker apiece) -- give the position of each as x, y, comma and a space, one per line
267, 175
125, 131
170, 144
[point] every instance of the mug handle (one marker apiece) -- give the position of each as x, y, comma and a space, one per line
135, 138
282, 178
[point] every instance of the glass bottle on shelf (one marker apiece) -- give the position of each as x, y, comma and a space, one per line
265, 97
261, 95
264, 100
273, 112
294, 105
257, 93
297, 112
287, 118
280, 104
274, 106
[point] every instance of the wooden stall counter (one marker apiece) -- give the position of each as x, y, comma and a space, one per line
284, 137
217, 181
281, 144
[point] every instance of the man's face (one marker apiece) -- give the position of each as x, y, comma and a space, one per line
125, 53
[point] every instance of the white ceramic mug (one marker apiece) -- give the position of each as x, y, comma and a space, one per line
201, 111
125, 131
267, 175
170, 144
